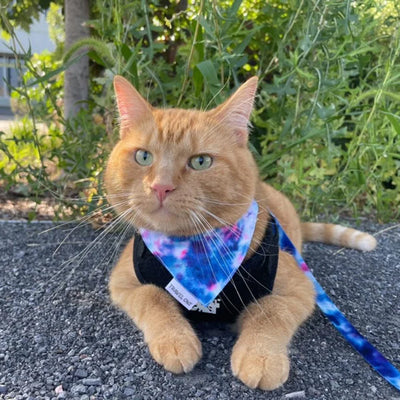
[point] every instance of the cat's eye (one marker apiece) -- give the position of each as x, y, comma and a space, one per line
143, 157
200, 162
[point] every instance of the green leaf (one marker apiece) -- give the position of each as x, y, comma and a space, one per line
270, 161
394, 120
131, 61
199, 45
231, 17
51, 74
209, 73
209, 30
305, 74
94, 57
245, 42
198, 81
31, 215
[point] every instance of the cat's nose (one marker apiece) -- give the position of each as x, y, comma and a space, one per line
162, 190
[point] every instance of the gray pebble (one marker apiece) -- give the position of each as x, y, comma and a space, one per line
334, 384
85, 350
81, 373
148, 377
38, 338
78, 389
129, 392
91, 381
88, 340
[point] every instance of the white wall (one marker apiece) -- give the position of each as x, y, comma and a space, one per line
38, 38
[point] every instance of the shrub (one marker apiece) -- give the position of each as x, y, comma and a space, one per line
326, 123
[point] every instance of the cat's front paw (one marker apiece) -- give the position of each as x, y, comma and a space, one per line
259, 367
176, 352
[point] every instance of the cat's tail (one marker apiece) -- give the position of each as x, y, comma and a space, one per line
337, 235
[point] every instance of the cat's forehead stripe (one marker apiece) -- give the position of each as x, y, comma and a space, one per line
174, 125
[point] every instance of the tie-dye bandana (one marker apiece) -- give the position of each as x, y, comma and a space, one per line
339, 321
203, 264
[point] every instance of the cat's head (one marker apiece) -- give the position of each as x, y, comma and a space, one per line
181, 171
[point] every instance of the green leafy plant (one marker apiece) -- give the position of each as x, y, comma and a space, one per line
326, 122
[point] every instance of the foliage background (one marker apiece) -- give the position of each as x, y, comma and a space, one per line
326, 125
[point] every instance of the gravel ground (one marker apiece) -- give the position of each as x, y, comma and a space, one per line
61, 338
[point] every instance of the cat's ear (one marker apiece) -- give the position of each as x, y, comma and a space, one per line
133, 108
235, 112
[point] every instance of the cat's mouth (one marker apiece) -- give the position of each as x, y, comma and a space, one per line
163, 210
167, 219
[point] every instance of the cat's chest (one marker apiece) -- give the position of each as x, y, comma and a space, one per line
252, 280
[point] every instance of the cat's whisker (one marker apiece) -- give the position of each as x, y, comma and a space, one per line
204, 226
78, 259
225, 247
208, 227
84, 220
59, 225
109, 256
128, 224
265, 209
196, 217
62, 198
222, 203
215, 239
101, 209
116, 245
109, 228
238, 271
230, 226
203, 242
248, 201
195, 222
65, 265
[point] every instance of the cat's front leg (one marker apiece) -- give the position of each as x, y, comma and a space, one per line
260, 355
171, 339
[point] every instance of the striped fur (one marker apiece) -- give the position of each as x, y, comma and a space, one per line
337, 235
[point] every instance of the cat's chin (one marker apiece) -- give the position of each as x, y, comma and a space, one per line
166, 220
164, 214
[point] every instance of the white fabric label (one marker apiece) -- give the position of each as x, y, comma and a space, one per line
176, 290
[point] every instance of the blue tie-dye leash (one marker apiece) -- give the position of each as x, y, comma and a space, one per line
339, 321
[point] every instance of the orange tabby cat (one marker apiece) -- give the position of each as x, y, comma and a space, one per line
161, 191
